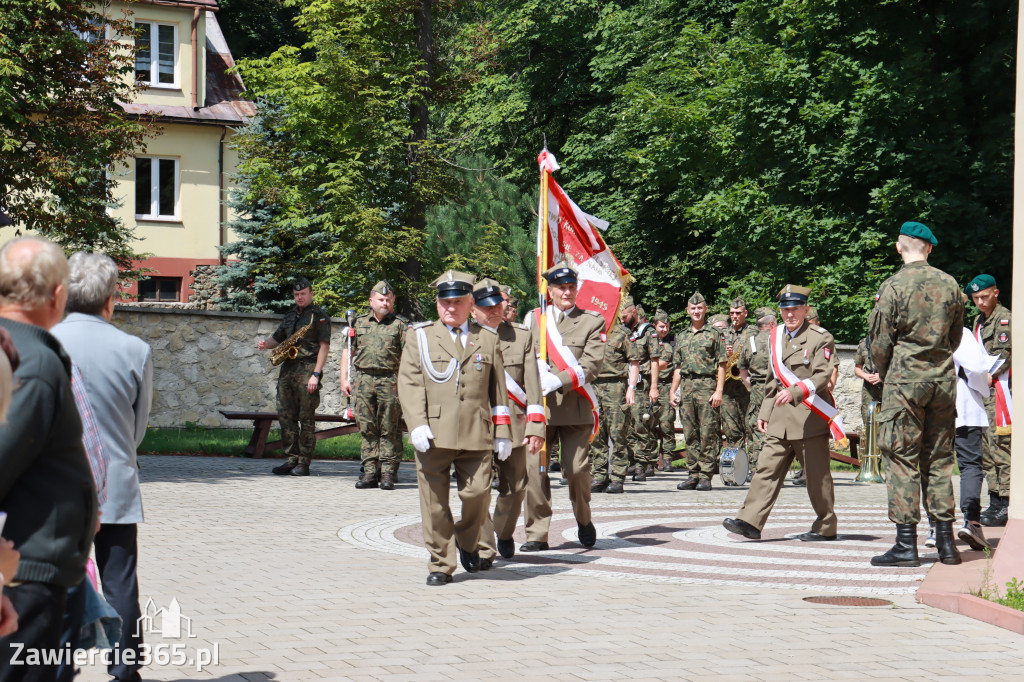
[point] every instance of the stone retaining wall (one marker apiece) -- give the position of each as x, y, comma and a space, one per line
206, 361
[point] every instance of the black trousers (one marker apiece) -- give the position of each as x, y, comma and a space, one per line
40, 608
74, 611
968, 458
117, 554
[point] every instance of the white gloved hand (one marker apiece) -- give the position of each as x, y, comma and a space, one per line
549, 382
503, 446
420, 438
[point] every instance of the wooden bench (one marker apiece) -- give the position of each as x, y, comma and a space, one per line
261, 422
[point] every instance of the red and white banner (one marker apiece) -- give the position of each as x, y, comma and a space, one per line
814, 402
1004, 400
573, 237
564, 361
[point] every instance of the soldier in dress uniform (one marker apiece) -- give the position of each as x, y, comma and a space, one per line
298, 384
377, 343
736, 395
527, 411
915, 327
571, 420
992, 328
699, 360
615, 387
451, 384
753, 364
641, 444
791, 427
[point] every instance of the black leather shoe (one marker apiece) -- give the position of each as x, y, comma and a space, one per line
438, 579
799, 479
533, 546
704, 485
587, 534
284, 469
904, 553
598, 486
641, 473
688, 484
507, 548
614, 488
811, 536
367, 480
301, 470
554, 465
945, 545
485, 564
470, 560
741, 527
998, 517
387, 482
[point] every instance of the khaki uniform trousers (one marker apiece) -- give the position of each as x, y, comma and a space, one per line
440, 532
511, 493
772, 464
575, 446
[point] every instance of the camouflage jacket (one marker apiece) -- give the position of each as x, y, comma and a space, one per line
916, 325
618, 353
666, 352
377, 346
755, 356
699, 352
863, 360
645, 339
996, 334
309, 344
736, 339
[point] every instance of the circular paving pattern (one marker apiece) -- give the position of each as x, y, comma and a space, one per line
686, 544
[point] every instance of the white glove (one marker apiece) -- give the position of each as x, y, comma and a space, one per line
549, 382
420, 438
503, 446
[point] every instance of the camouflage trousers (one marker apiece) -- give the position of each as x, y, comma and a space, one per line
700, 426
296, 410
608, 454
640, 440
995, 453
915, 436
733, 412
380, 421
663, 423
756, 441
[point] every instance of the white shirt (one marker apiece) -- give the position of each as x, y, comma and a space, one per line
459, 334
970, 356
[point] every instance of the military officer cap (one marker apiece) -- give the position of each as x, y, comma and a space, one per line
738, 302
981, 282
561, 274
301, 283
627, 302
454, 284
793, 296
919, 231
660, 316
696, 299
486, 293
383, 288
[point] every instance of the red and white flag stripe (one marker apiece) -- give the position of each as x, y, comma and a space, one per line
563, 359
1001, 386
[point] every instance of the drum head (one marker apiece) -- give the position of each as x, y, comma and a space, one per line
734, 466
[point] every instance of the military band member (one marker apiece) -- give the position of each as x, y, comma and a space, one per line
790, 425
736, 395
527, 411
700, 372
663, 412
640, 441
298, 383
915, 327
753, 365
992, 328
871, 389
376, 352
615, 387
451, 374
571, 418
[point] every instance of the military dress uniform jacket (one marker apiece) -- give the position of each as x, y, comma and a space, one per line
809, 355
581, 333
377, 346
996, 334
515, 344
464, 413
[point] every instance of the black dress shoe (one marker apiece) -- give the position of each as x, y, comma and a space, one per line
741, 527
367, 480
301, 470
587, 535
507, 548
533, 546
811, 536
387, 481
470, 560
438, 579
554, 465
485, 564
614, 488
284, 469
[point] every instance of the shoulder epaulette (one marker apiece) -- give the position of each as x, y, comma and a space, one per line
593, 312
420, 325
402, 318
816, 328
486, 328
519, 325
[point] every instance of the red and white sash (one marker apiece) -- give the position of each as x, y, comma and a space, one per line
534, 413
563, 359
1001, 385
814, 402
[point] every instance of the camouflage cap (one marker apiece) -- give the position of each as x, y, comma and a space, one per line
981, 282
660, 316
301, 283
505, 289
627, 301
383, 288
696, 299
812, 313
717, 320
641, 314
764, 312
738, 302
513, 302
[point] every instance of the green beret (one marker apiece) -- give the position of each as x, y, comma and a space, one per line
738, 302
627, 301
919, 231
981, 282
660, 316
696, 299
383, 288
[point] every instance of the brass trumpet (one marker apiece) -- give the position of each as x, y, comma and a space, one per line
871, 459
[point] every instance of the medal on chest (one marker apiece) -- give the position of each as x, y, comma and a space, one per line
479, 362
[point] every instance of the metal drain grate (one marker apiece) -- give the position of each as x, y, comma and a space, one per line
848, 601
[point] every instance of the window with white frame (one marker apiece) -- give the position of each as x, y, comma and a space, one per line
156, 54
156, 187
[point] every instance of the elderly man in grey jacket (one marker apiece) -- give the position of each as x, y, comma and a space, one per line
118, 373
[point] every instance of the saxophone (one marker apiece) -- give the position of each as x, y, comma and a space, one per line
732, 372
289, 349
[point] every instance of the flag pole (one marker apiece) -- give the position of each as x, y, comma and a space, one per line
542, 287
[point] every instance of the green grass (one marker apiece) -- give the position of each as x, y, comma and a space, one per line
1014, 597
192, 440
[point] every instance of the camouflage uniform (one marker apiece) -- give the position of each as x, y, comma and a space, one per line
755, 358
610, 387
663, 416
995, 458
640, 441
914, 328
296, 406
698, 353
735, 396
869, 392
376, 353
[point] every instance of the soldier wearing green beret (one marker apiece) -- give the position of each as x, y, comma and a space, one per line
992, 327
736, 394
641, 443
753, 368
378, 338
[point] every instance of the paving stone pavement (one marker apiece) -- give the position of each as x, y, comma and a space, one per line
311, 579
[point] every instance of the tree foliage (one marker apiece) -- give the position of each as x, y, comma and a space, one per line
255, 28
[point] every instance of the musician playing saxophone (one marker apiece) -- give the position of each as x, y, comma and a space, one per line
736, 396
307, 329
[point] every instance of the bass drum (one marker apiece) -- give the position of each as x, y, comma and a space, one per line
733, 466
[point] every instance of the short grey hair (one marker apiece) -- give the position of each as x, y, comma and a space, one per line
30, 269
93, 281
